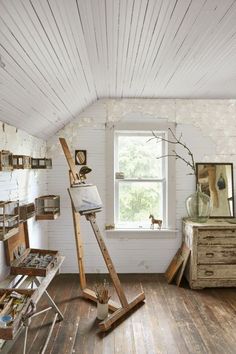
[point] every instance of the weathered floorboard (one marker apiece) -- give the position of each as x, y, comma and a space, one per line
173, 320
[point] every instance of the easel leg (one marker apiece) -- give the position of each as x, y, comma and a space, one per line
54, 306
25, 339
126, 307
79, 248
49, 334
108, 261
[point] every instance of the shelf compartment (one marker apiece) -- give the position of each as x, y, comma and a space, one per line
21, 162
6, 161
41, 163
9, 218
26, 211
47, 207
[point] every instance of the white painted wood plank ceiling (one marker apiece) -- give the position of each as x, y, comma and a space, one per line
58, 56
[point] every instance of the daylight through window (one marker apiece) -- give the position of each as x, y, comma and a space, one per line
140, 179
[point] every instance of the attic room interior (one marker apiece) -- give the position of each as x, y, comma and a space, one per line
117, 170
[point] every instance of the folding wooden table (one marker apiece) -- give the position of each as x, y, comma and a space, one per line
41, 284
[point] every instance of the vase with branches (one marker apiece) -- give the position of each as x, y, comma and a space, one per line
198, 204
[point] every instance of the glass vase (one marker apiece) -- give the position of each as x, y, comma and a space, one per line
198, 206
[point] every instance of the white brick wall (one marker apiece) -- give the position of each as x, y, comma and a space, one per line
208, 128
24, 185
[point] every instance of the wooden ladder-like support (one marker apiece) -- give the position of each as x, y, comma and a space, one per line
118, 311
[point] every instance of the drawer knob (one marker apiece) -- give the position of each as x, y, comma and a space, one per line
210, 255
209, 272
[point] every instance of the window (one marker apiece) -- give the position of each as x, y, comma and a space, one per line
138, 183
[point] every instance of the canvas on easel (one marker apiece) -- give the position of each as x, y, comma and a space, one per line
85, 198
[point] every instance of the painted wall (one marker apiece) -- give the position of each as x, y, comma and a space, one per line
208, 127
24, 185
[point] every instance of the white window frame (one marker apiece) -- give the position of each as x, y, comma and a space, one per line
147, 126
148, 134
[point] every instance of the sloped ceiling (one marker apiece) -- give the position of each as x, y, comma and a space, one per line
58, 56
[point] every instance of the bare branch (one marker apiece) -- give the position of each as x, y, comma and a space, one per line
176, 141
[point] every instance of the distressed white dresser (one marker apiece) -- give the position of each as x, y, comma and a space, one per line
213, 253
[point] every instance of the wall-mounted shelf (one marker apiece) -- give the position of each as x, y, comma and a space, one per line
26, 211
41, 163
9, 162
47, 207
9, 218
21, 162
6, 161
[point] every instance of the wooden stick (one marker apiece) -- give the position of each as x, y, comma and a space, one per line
7, 308
90, 294
3, 297
69, 159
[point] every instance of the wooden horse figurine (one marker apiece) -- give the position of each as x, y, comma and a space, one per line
155, 221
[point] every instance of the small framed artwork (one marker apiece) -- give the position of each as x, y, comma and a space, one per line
80, 157
216, 180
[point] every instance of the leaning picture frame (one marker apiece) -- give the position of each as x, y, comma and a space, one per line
216, 180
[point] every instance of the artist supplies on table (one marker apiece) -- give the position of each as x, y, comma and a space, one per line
25, 260
14, 303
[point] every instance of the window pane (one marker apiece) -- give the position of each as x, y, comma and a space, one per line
137, 156
137, 200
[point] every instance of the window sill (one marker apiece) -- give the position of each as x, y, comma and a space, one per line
142, 234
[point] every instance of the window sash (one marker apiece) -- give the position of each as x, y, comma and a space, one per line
117, 206
162, 180
147, 134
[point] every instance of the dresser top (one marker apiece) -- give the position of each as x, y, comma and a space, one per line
213, 223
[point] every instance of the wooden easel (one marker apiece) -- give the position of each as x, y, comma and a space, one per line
118, 311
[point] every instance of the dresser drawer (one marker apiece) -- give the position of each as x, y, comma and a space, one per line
217, 237
216, 271
216, 254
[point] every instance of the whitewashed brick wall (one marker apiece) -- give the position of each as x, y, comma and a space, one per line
24, 185
208, 128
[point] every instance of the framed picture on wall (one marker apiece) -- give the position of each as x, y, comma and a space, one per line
80, 157
216, 180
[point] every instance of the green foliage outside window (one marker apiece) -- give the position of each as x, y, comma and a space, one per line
137, 159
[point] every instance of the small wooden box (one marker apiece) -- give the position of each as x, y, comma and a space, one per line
21, 161
9, 332
6, 161
41, 163
9, 218
17, 253
19, 265
47, 207
26, 211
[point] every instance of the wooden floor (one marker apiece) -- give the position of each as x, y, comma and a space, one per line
173, 320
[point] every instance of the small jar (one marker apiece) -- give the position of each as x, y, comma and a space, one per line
102, 311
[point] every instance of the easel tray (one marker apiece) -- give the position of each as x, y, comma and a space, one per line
14, 303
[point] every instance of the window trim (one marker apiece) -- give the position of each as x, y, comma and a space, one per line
147, 125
